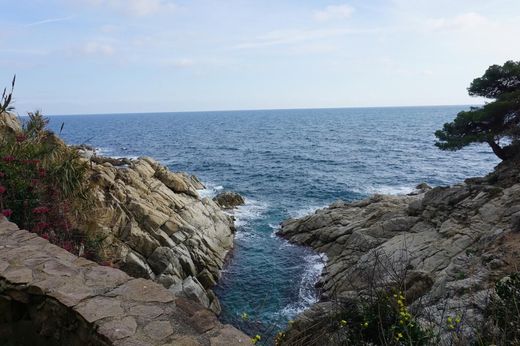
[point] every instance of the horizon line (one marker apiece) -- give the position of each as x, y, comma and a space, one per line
253, 110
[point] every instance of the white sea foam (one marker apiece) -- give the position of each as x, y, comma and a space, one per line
275, 229
107, 152
387, 190
130, 157
210, 191
307, 294
298, 213
250, 211
103, 151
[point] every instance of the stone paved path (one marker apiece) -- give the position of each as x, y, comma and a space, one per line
49, 296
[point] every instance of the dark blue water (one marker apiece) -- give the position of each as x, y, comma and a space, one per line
287, 163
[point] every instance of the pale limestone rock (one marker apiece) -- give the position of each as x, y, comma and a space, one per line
449, 244
144, 207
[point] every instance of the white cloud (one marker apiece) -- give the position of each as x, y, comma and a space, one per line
181, 63
50, 20
281, 37
334, 12
97, 48
466, 21
134, 7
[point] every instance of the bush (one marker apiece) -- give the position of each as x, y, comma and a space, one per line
43, 186
503, 315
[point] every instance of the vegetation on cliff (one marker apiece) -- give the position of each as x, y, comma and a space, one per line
43, 185
496, 123
136, 214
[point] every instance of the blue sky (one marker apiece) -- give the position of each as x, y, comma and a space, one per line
106, 56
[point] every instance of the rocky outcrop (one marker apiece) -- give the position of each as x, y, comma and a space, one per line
447, 246
157, 227
151, 222
50, 297
229, 200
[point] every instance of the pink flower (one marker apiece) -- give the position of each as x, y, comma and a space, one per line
41, 210
9, 158
2, 189
7, 212
67, 245
45, 236
40, 226
21, 138
42, 172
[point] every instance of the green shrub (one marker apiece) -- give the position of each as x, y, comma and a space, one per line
380, 320
43, 185
502, 325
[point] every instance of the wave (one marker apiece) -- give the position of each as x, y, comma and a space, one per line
252, 210
307, 294
108, 152
299, 213
386, 190
210, 191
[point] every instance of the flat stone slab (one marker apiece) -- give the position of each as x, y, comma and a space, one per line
111, 307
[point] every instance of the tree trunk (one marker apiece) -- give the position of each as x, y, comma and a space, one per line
498, 150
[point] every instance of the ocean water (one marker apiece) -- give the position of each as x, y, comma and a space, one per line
287, 163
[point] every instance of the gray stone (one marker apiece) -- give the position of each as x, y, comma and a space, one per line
229, 200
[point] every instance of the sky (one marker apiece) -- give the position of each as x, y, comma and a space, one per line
122, 56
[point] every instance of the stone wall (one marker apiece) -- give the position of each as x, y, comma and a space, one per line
50, 297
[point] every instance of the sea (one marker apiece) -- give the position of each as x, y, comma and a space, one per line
287, 164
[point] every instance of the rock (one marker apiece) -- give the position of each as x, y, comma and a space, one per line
155, 225
229, 200
423, 187
193, 290
206, 279
176, 182
135, 265
447, 246
161, 258
102, 159
68, 300
515, 222
228, 336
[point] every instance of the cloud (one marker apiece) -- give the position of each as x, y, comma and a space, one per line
334, 12
284, 37
179, 63
137, 8
466, 21
50, 20
97, 48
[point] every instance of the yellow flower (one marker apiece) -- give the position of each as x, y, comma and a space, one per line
365, 324
450, 319
245, 316
399, 335
258, 337
343, 322
458, 319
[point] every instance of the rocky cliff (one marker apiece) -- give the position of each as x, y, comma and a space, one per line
446, 247
156, 226
152, 223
